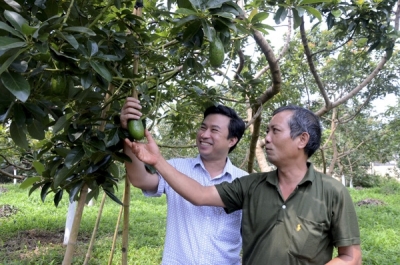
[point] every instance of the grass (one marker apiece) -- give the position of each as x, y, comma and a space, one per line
31, 232
30, 219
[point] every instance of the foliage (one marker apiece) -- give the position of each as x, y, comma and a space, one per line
67, 67
367, 180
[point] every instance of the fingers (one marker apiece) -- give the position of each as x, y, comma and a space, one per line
130, 111
148, 136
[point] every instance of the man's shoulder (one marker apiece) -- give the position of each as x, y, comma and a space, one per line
238, 172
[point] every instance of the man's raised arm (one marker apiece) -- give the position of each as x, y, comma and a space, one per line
188, 188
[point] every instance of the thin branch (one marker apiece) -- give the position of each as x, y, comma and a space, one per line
18, 167
11, 175
311, 65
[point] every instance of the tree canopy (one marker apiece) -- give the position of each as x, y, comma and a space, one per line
67, 66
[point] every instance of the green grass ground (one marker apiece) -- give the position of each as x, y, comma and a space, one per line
32, 232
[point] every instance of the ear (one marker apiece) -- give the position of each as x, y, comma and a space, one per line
303, 140
233, 141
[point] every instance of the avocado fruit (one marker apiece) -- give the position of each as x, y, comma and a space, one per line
216, 52
136, 129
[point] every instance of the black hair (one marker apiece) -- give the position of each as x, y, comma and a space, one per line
304, 120
236, 124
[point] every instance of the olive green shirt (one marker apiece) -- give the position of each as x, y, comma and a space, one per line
317, 216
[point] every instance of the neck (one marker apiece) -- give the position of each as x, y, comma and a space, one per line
214, 167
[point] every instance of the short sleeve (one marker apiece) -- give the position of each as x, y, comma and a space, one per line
232, 195
160, 189
345, 229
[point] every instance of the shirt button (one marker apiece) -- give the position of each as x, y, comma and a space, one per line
283, 206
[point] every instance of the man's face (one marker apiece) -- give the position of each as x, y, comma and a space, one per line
279, 146
212, 137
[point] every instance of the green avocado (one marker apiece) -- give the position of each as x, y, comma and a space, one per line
136, 129
217, 52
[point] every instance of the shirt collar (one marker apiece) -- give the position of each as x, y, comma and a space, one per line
272, 176
228, 169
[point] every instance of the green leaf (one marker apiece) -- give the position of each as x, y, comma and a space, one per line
62, 175
43, 192
15, 19
101, 70
58, 197
7, 43
113, 197
39, 167
336, 12
19, 114
259, 17
75, 190
307, 2
61, 123
208, 30
314, 12
28, 30
185, 20
81, 30
29, 182
74, 156
36, 130
70, 39
215, 3
17, 85
14, 4
4, 26
92, 47
185, 11
280, 15
18, 135
114, 170
297, 19
10, 60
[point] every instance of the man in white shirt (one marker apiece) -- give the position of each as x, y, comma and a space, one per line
196, 235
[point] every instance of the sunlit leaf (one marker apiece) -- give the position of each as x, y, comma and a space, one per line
15, 19
29, 182
81, 30
39, 167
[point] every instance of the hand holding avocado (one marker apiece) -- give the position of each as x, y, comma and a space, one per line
130, 118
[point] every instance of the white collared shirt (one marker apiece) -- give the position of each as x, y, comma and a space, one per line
200, 235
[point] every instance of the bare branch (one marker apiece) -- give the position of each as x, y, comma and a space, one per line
311, 65
16, 166
11, 175
241, 64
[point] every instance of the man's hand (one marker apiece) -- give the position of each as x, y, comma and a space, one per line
130, 111
148, 153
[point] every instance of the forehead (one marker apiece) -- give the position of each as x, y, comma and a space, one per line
216, 120
281, 119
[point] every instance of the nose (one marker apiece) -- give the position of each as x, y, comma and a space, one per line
267, 137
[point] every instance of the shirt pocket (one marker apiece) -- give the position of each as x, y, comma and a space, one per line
307, 237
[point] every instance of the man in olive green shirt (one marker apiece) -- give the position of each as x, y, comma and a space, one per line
293, 215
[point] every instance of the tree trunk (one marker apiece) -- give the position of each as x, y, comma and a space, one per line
69, 253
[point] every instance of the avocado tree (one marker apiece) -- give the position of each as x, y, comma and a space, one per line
67, 66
